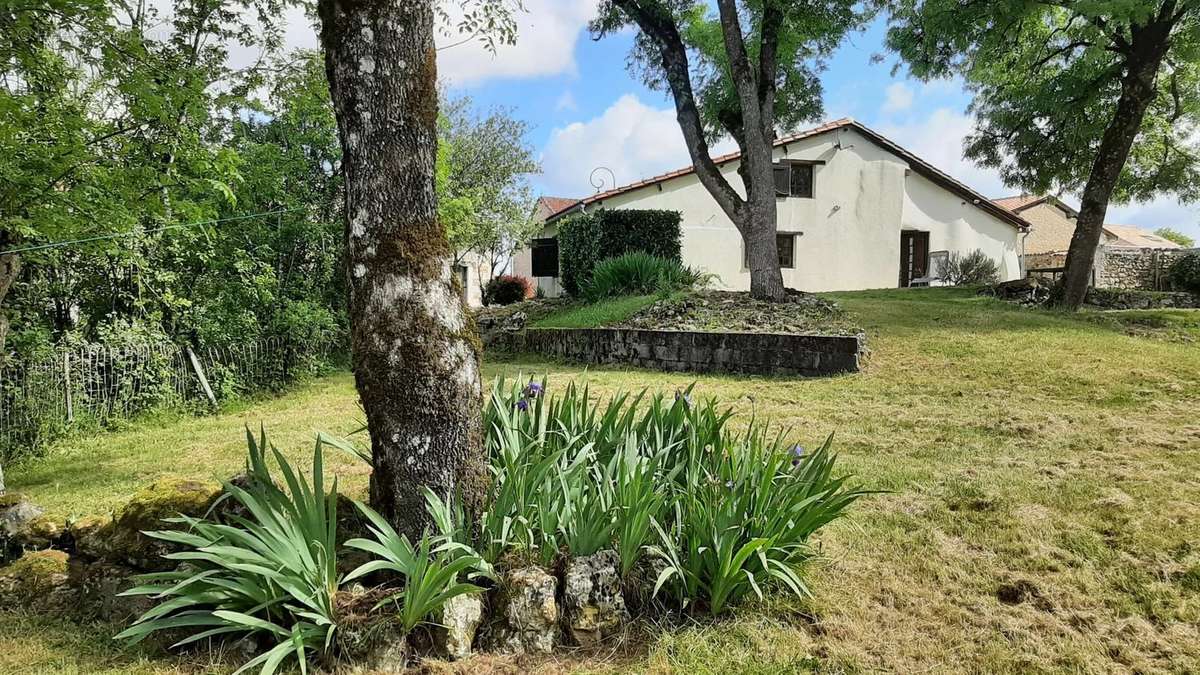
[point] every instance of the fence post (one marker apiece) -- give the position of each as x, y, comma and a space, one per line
67, 386
200, 375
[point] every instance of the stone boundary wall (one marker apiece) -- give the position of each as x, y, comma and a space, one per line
1137, 268
750, 353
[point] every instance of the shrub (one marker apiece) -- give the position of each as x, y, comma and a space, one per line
971, 269
639, 273
586, 239
1185, 273
507, 289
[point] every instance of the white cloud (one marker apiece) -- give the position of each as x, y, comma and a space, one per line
938, 139
632, 139
899, 98
566, 102
546, 37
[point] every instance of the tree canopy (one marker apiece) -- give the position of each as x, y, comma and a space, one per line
1100, 97
121, 129
746, 71
1046, 78
805, 34
485, 199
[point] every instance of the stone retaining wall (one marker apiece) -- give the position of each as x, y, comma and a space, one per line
751, 353
1136, 268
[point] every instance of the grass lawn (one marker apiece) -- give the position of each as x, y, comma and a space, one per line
1042, 513
600, 313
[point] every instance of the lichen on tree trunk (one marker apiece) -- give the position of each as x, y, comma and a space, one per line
414, 344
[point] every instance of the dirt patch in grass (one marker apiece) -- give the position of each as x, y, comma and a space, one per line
803, 313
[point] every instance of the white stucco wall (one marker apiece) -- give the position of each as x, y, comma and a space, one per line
479, 272
847, 235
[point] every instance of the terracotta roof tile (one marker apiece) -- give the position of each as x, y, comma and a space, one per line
1018, 202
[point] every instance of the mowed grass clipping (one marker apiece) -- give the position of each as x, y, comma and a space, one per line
1042, 513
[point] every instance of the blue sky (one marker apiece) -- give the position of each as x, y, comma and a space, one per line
586, 110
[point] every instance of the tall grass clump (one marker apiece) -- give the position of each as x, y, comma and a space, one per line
727, 513
640, 273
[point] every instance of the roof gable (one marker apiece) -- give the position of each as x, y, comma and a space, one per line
917, 164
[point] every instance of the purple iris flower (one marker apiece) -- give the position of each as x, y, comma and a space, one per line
797, 454
533, 390
522, 405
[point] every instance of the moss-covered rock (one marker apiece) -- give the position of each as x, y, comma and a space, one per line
87, 535
16, 515
121, 539
41, 532
38, 580
99, 585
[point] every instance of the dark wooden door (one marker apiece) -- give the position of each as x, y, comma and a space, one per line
914, 256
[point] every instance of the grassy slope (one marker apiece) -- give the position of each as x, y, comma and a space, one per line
600, 313
1047, 459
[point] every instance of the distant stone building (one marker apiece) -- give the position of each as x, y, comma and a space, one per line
1127, 257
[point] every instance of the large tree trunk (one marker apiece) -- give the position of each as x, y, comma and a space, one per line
415, 349
1149, 47
759, 228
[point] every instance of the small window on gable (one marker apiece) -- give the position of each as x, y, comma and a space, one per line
794, 180
786, 243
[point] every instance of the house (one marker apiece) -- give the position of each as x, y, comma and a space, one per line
856, 211
1126, 257
1052, 224
473, 271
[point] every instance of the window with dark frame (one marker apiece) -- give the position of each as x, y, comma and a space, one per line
786, 243
544, 253
794, 180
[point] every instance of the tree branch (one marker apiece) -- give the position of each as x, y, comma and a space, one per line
768, 64
662, 31
745, 80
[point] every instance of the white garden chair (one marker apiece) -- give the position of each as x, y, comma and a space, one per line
937, 260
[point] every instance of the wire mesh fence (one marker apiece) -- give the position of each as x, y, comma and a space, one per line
96, 384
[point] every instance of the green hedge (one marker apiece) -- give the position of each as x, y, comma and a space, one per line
586, 239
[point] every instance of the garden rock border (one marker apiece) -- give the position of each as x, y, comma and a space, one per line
79, 569
692, 351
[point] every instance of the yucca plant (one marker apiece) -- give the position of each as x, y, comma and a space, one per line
640, 273
430, 570
270, 572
